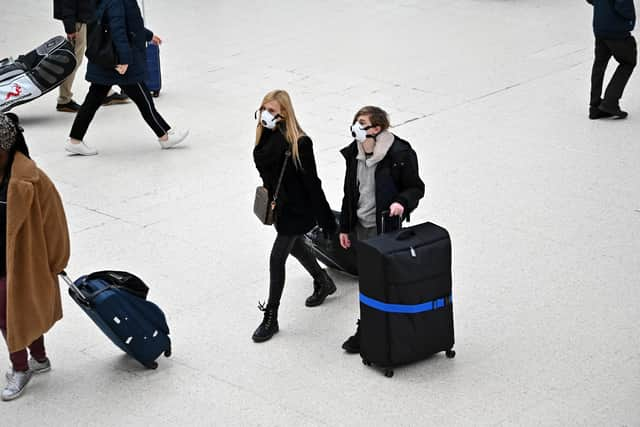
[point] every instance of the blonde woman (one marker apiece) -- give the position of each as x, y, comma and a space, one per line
301, 202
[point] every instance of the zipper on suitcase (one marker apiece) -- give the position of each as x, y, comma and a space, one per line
413, 248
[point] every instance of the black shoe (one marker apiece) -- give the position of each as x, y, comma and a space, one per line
614, 111
69, 107
116, 98
323, 286
269, 326
352, 344
595, 113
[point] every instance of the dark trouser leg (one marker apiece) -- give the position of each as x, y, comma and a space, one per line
19, 358
361, 233
626, 53
303, 254
139, 94
37, 349
93, 101
602, 56
279, 254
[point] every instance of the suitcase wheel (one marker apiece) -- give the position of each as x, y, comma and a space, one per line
151, 365
388, 373
155, 93
167, 352
451, 354
365, 362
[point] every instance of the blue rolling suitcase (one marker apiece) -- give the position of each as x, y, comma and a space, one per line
135, 325
154, 72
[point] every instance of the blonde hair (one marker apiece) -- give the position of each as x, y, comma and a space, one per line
292, 132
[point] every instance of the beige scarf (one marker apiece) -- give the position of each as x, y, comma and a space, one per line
381, 147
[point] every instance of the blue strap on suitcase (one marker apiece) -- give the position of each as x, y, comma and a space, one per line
137, 326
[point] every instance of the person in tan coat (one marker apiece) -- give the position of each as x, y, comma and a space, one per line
35, 240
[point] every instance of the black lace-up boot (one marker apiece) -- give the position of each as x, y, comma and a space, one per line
323, 286
269, 326
352, 344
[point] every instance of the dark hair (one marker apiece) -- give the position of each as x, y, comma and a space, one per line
377, 116
20, 145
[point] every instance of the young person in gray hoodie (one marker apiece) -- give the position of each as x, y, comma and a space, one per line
381, 187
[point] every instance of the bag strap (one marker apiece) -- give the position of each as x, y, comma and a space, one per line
287, 154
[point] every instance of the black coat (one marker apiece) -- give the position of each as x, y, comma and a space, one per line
301, 202
397, 180
72, 11
613, 19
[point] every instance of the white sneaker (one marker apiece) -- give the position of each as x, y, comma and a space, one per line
175, 138
16, 382
39, 367
81, 149
34, 366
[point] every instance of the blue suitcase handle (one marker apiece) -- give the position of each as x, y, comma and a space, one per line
74, 290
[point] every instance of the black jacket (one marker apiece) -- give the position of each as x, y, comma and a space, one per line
301, 202
397, 180
72, 11
130, 36
613, 19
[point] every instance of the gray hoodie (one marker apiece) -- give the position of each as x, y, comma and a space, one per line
367, 178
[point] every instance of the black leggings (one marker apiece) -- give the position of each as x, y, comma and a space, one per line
138, 92
282, 247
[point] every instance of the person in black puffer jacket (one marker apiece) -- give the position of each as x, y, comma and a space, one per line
301, 203
613, 21
129, 35
381, 186
75, 14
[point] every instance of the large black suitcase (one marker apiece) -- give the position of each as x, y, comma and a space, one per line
328, 250
406, 312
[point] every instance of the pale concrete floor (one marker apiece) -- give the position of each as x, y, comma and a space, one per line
542, 204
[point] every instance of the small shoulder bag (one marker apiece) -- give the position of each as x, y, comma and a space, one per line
100, 48
264, 208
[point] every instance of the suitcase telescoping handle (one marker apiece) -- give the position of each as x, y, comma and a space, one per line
73, 287
385, 214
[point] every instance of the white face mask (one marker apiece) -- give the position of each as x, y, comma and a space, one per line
359, 132
268, 120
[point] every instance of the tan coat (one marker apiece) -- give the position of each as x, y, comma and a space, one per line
37, 250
